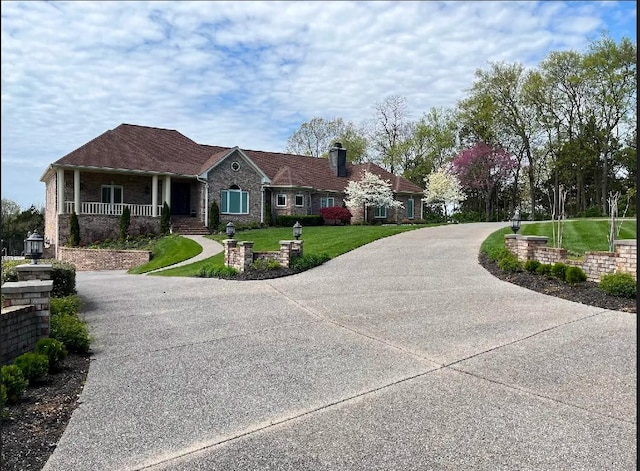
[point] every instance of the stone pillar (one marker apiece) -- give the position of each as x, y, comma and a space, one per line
36, 293
285, 253
626, 256
296, 248
246, 255
29, 272
229, 248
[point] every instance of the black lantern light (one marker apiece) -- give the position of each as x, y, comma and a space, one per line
33, 247
515, 222
297, 230
230, 230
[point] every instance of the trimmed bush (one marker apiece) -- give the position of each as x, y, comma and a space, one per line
306, 262
125, 222
264, 264
336, 213
165, 219
54, 350
496, 253
68, 305
72, 332
14, 383
575, 275
214, 217
619, 284
63, 276
74, 230
304, 219
509, 263
544, 269
34, 366
531, 265
558, 270
218, 272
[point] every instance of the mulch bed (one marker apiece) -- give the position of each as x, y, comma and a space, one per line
31, 430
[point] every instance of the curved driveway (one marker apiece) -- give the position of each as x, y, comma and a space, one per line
403, 354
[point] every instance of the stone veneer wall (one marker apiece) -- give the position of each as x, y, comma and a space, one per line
96, 227
595, 264
103, 259
25, 317
240, 255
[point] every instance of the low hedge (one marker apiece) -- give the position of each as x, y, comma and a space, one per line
305, 220
63, 275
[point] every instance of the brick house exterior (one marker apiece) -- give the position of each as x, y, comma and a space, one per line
144, 167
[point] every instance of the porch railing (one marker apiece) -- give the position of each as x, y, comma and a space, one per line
111, 209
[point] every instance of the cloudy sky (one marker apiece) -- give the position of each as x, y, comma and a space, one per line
250, 73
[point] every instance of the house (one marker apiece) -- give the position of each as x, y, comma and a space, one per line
144, 167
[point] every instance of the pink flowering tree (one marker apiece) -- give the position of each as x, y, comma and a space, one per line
484, 168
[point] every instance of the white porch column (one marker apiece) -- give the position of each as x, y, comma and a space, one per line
167, 189
76, 191
154, 195
61, 205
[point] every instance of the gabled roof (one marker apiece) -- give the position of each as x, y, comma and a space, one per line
145, 149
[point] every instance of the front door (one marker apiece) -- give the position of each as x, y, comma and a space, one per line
180, 199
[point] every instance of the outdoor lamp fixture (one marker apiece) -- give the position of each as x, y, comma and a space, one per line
33, 247
230, 230
515, 222
297, 230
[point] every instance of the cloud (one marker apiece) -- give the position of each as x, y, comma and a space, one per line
249, 73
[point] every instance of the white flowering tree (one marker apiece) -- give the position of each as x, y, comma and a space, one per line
370, 191
443, 188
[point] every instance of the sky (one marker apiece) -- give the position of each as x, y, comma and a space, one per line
249, 73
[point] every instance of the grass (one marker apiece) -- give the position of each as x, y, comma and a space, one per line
329, 240
579, 235
168, 251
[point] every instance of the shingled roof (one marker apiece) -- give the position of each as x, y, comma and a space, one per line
148, 149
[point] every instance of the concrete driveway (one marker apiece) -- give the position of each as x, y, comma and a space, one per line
404, 354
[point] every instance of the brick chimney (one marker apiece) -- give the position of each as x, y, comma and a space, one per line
338, 160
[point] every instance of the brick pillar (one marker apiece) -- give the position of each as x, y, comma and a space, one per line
246, 255
626, 256
285, 253
36, 293
296, 248
229, 244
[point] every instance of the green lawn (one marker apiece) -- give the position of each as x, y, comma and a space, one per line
167, 251
329, 240
579, 235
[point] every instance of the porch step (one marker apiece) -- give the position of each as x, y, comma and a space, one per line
187, 225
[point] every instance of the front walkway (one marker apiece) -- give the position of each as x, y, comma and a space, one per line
209, 249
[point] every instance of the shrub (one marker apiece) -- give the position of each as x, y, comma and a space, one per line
575, 275
268, 214
125, 222
74, 230
305, 262
33, 365
68, 305
54, 351
544, 269
3, 398
63, 276
619, 284
304, 219
531, 265
165, 219
558, 270
214, 216
266, 264
72, 332
218, 272
496, 253
336, 213
509, 263
14, 383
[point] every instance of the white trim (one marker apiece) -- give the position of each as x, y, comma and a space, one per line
284, 195
295, 200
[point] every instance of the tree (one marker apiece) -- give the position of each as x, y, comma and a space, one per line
483, 168
315, 137
165, 219
443, 188
354, 140
16, 223
370, 191
125, 222
390, 130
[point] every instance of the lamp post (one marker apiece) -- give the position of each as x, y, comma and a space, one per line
297, 230
33, 247
230, 230
515, 222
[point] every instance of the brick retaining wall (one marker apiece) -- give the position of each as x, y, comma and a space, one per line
594, 264
103, 259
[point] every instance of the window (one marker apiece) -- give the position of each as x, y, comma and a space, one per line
281, 200
410, 209
299, 200
327, 202
380, 212
234, 202
112, 194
